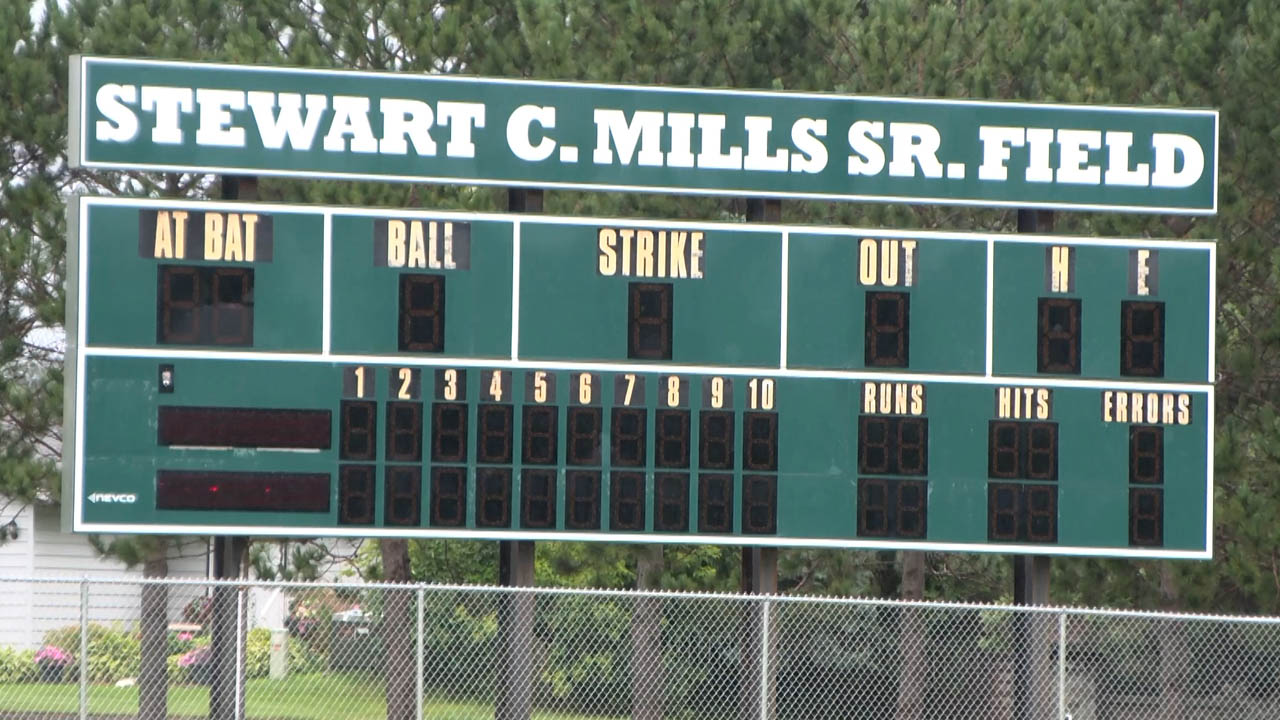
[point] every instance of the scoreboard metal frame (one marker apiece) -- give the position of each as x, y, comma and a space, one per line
743, 384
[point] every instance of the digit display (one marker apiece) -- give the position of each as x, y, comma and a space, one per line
582, 500
649, 313
422, 313
403, 495
1059, 329
1142, 339
538, 499
358, 372
201, 305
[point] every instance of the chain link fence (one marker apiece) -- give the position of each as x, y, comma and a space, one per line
231, 650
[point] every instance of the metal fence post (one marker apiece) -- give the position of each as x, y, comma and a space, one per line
765, 610
1062, 665
84, 648
240, 638
421, 649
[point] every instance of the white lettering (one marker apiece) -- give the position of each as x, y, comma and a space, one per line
168, 103
915, 142
711, 154
274, 128
869, 156
1073, 157
403, 119
1118, 172
681, 125
518, 132
461, 117
121, 125
758, 157
215, 117
996, 141
350, 117
645, 129
811, 154
1168, 147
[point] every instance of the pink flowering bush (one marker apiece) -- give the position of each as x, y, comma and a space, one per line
194, 666
52, 662
53, 655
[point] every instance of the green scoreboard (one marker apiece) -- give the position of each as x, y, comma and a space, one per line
326, 371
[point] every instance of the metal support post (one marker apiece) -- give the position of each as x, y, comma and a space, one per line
1030, 577
515, 569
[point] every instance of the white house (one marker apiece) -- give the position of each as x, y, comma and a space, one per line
41, 567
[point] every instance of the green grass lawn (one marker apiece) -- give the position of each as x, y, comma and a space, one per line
319, 696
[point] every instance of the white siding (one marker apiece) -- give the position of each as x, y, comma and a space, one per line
65, 556
15, 598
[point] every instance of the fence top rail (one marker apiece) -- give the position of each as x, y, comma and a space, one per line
650, 594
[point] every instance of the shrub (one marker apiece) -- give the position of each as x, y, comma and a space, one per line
17, 666
194, 666
257, 653
114, 654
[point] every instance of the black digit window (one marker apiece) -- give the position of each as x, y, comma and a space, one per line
1146, 454
404, 496
759, 504
356, 494
1022, 450
1146, 516
892, 508
1142, 339
649, 321
873, 507
626, 501
540, 435
628, 438
911, 505
448, 432
584, 426
715, 440
421, 313
887, 326
179, 305
359, 427
1058, 350
582, 500
538, 499
760, 441
204, 306
893, 445
493, 497
493, 433
671, 502
715, 503
448, 496
672, 446
1019, 512
404, 432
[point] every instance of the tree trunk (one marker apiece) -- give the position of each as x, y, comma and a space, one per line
646, 639
911, 640
153, 680
397, 645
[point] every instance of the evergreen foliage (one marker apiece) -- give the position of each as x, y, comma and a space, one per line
1191, 53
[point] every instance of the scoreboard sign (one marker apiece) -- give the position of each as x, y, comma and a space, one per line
196, 117
289, 370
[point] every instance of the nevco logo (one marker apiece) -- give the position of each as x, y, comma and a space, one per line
127, 498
